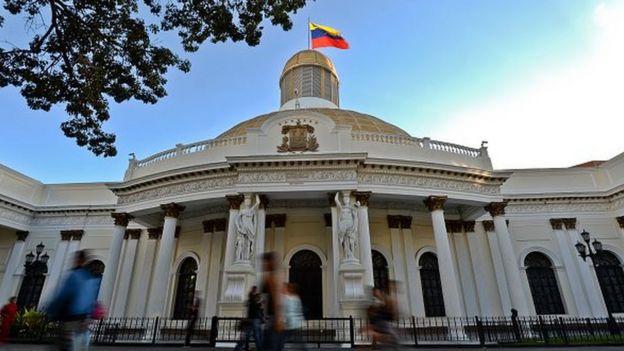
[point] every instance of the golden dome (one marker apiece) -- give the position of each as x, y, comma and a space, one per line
359, 122
309, 57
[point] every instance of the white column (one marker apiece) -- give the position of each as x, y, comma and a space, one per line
56, 270
205, 255
571, 269
413, 286
450, 287
12, 266
72, 248
587, 273
160, 279
260, 236
216, 267
469, 289
124, 277
499, 269
398, 263
330, 309
142, 273
510, 260
366, 256
114, 254
477, 245
335, 255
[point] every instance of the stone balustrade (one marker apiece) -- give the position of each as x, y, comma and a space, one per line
424, 143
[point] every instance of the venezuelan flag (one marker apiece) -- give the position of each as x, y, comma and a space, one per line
324, 36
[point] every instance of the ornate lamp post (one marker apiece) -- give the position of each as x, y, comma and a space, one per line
35, 268
585, 250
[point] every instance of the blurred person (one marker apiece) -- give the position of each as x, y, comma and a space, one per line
381, 313
272, 288
74, 304
293, 313
252, 325
7, 315
193, 316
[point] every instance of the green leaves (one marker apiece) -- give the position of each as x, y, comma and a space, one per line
90, 52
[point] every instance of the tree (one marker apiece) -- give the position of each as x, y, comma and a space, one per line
85, 53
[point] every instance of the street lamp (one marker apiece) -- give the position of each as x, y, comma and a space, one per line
585, 250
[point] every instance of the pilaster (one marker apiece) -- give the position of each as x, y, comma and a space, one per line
12, 265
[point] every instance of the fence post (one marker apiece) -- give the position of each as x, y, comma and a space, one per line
155, 330
563, 330
543, 330
352, 331
613, 326
98, 331
480, 331
214, 331
413, 319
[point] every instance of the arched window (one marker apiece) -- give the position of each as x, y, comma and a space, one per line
305, 271
611, 279
32, 284
431, 285
380, 270
543, 284
185, 291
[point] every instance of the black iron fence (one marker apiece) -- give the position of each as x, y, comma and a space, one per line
353, 331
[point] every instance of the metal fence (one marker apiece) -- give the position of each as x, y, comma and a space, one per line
347, 332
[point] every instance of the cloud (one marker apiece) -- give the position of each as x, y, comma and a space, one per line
564, 117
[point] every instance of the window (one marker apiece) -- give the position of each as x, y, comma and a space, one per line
185, 291
431, 285
543, 284
380, 270
32, 285
611, 279
306, 273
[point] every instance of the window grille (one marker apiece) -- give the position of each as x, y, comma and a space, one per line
543, 284
611, 279
431, 285
185, 291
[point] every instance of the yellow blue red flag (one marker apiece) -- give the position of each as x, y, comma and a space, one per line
324, 36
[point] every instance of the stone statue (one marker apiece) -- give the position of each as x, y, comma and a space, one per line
246, 229
347, 226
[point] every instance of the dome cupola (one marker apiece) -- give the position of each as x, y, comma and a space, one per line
309, 80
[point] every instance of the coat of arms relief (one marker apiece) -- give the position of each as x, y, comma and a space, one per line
298, 137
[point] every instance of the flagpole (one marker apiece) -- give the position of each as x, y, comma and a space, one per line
308, 33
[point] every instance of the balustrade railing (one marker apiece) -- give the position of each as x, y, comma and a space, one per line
424, 143
224, 331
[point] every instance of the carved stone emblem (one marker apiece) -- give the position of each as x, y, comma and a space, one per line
299, 137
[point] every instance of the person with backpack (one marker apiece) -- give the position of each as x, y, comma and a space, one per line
74, 304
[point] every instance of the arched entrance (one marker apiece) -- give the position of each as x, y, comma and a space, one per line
380, 270
305, 272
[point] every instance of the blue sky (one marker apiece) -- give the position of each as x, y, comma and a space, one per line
457, 71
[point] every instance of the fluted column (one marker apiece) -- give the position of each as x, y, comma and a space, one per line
414, 288
485, 285
124, 276
17, 252
398, 261
216, 266
366, 256
160, 280
450, 287
510, 260
587, 272
146, 257
54, 275
571, 268
114, 255
464, 265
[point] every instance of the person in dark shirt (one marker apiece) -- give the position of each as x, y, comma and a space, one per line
253, 324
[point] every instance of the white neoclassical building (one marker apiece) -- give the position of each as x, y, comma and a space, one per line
346, 201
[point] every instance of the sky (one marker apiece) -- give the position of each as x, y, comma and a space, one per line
541, 80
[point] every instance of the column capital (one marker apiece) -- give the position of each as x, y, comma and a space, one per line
235, 201
435, 203
220, 224
264, 201
454, 226
172, 209
121, 218
620, 221
134, 234
469, 226
569, 223
496, 208
328, 219
154, 233
21, 235
394, 221
208, 225
488, 226
406, 222
362, 197
556, 223
74, 234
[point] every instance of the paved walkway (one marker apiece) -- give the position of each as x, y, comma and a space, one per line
171, 348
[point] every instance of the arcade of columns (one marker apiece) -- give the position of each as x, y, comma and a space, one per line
349, 296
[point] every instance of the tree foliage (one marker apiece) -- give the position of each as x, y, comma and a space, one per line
85, 53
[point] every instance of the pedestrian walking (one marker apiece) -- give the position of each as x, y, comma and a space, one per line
272, 289
74, 304
252, 325
293, 316
7, 315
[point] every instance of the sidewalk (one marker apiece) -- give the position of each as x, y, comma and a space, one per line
171, 348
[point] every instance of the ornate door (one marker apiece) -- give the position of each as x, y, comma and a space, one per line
306, 273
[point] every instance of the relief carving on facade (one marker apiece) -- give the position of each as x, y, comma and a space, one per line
298, 137
406, 180
178, 189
